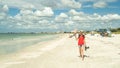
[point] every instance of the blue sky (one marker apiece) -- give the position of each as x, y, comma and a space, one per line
58, 15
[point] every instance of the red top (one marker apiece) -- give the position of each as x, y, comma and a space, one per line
81, 40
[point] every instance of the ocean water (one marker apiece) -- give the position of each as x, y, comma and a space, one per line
11, 43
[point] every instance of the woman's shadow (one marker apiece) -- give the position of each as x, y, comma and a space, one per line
84, 56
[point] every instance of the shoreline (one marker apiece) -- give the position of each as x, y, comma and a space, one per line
27, 53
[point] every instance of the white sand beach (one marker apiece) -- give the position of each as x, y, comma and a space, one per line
63, 52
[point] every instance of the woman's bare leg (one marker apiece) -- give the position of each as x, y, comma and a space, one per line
82, 53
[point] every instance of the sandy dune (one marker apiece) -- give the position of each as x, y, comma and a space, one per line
104, 52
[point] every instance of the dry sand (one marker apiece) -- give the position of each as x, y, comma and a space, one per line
104, 52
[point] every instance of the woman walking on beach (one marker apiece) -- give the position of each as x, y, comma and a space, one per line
81, 42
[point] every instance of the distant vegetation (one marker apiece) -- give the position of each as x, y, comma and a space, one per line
113, 30
116, 30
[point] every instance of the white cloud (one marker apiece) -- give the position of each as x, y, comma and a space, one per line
97, 3
81, 18
19, 3
68, 23
38, 13
73, 12
29, 6
71, 3
5, 8
46, 12
77, 18
97, 0
63, 15
27, 19
38, 4
94, 17
100, 4
2, 16
26, 12
84, 17
41, 18
18, 17
61, 18
19, 24
109, 17
43, 22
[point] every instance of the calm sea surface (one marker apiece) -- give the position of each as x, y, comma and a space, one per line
10, 43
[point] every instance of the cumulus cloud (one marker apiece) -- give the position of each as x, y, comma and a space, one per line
111, 17
5, 8
70, 23
80, 20
46, 12
63, 15
19, 4
37, 15
27, 19
73, 12
96, 0
77, 19
33, 17
56, 4
26, 12
38, 4
71, 3
61, 18
2, 16
100, 4
96, 17
97, 3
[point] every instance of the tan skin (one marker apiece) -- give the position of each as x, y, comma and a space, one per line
81, 51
